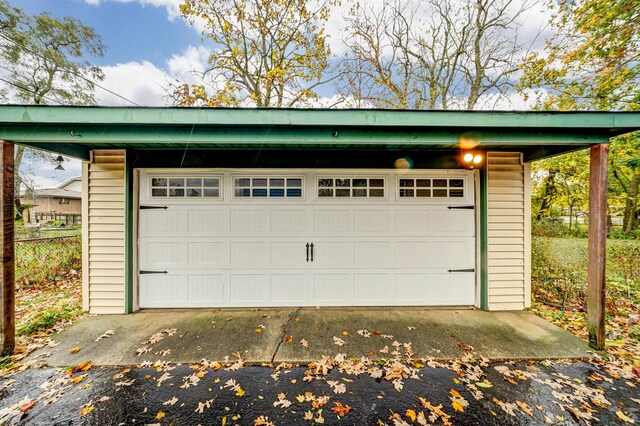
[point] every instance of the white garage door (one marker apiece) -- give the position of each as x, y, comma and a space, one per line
252, 238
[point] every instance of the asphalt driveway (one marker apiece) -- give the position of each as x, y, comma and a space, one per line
458, 392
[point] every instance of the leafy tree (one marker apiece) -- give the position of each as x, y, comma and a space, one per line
592, 63
44, 60
459, 52
267, 53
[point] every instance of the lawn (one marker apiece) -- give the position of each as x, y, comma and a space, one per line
559, 268
48, 292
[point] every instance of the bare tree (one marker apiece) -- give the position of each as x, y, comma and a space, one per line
434, 53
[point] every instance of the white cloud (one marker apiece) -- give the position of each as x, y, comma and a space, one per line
172, 6
187, 66
145, 83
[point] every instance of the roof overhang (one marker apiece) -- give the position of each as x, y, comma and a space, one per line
74, 131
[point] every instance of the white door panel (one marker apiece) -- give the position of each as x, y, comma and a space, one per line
367, 251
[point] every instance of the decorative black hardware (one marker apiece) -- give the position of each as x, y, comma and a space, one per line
307, 252
312, 252
461, 270
461, 207
152, 272
153, 207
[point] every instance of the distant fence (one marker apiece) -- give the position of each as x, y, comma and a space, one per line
41, 260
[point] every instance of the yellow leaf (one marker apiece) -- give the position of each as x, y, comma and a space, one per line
457, 406
240, 392
75, 350
345, 333
160, 415
300, 398
484, 384
525, 407
224, 420
86, 410
455, 393
624, 417
411, 414
258, 330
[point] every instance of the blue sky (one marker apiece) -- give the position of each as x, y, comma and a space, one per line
130, 30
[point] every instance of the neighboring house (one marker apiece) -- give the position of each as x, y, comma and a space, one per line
190, 207
62, 203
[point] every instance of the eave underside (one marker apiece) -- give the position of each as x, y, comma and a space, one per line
77, 141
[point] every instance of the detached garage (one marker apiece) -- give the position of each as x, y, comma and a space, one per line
208, 208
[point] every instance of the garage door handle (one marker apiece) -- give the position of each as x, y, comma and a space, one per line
461, 207
307, 252
461, 270
153, 272
312, 252
153, 207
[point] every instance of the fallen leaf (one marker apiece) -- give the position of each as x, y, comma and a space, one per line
340, 409
457, 405
263, 421
411, 414
171, 401
624, 417
345, 333
282, 401
74, 350
106, 335
338, 341
258, 330
160, 415
86, 410
27, 404
337, 386
411, 328
524, 407
304, 343
288, 339
484, 384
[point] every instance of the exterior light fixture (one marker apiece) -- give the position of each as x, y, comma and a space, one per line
59, 160
472, 160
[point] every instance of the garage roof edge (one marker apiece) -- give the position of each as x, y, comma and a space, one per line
613, 123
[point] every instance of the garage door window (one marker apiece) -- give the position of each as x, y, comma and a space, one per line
350, 187
431, 188
180, 187
259, 187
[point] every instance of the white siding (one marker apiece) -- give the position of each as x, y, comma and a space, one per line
103, 251
508, 242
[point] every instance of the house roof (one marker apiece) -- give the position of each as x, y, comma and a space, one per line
74, 131
56, 192
69, 181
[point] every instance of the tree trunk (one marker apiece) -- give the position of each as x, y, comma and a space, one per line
549, 194
630, 222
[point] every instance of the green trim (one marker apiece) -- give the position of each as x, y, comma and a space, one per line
158, 116
129, 237
68, 149
94, 136
484, 254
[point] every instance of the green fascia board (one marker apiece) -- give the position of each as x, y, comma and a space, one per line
71, 150
612, 122
90, 136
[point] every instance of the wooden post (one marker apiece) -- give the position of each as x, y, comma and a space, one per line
597, 244
7, 275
